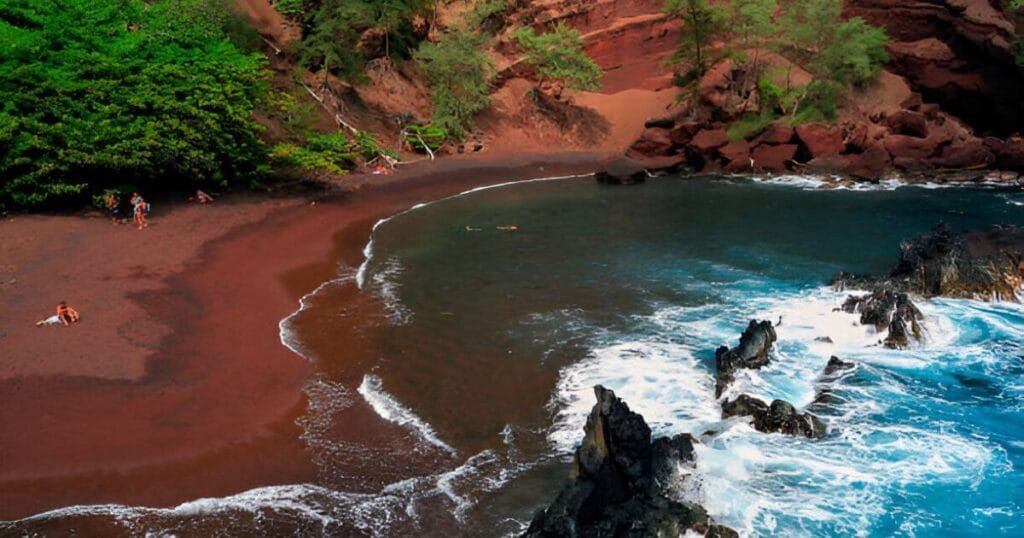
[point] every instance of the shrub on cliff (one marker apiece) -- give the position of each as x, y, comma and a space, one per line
703, 23
95, 93
810, 34
336, 30
558, 55
458, 71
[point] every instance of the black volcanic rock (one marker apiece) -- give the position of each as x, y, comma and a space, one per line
986, 264
780, 417
836, 365
887, 309
619, 480
755, 345
623, 171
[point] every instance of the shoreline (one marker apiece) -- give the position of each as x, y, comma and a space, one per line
182, 430
178, 428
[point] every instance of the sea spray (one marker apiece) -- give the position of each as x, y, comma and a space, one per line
762, 483
385, 405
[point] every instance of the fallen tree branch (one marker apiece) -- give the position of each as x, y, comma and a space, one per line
337, 117
277, 51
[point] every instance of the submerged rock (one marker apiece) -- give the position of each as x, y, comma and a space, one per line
619, 482
887, 309
624, 171
779, 417
987, 264
755, 345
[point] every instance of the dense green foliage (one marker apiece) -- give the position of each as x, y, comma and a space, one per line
332, 152
423, 137
750, 124
558, 56
811, 34
335, 28
287, 107
484, 12
95, 93
290, 8
703, 23
457, 70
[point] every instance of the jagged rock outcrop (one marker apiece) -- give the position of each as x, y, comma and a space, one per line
986, 264
888, 310
835, 366
957, 53
949, 102
779, 417
752, 352
619, 482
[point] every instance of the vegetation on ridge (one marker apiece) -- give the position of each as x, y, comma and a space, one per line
95, 93
809, 34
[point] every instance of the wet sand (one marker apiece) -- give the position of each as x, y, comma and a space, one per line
175, 385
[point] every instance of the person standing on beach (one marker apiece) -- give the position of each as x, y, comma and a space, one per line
139, 210
114, 207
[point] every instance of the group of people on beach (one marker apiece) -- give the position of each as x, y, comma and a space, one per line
139, 208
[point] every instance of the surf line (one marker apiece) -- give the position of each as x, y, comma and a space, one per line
390, 409
368, 250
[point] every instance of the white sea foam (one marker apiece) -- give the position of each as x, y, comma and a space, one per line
815, 182
392, 410
676, 390
766, 484
397, 508
285, 333
386, 282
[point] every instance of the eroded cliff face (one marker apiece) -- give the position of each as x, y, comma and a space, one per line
630, 39
956, 53
950, 99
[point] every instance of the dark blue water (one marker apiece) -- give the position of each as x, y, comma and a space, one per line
635, 287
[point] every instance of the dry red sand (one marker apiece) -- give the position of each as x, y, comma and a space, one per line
175, 385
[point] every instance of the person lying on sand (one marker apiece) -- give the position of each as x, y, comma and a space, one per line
65, 315
201, 197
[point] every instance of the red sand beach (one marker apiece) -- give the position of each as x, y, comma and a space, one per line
175, 385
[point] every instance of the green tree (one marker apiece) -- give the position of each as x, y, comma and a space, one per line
751, 22
855, 54
752, 29
95, 93
333, 38
703, 23
835, 52
458, 71
558, 56
332, 43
